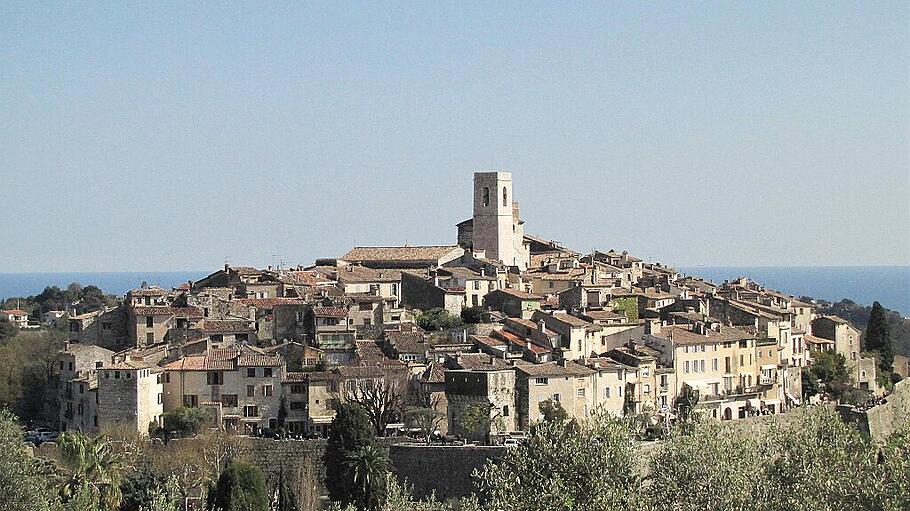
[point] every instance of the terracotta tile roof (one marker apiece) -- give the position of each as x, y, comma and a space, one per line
245, 270
330, 312
434, 373
412, 254
554, 369
681, 335
370, 353
166, 310
258, 361
148, 291
603, 315
521, 295
356, 274
407, 342
15, 312
292, 376
270, 302
816, 340
360, 372
305, 278
214, 326
479, 362
572, 320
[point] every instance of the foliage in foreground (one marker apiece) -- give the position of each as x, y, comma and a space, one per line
811, 461
241, 487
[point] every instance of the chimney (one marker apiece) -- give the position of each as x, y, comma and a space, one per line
631, 345
541, 326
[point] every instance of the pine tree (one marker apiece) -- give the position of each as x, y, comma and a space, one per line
878, 338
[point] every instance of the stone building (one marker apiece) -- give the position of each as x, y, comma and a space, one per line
129, 397
476, 382
567, 383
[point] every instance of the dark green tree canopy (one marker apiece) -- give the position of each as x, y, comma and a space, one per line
241, 487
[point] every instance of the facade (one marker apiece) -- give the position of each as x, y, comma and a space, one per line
567, 383
19, 318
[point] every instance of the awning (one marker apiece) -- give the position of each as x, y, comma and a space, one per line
768, 367
791, 397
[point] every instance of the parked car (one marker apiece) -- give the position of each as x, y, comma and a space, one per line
46, 435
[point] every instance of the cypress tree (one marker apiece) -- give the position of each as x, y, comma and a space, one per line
241, 487
878, 338
351, 435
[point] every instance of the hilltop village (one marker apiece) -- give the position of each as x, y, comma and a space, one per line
500, 321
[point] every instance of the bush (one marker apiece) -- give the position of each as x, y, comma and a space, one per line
437, 319
187, 421
472, 315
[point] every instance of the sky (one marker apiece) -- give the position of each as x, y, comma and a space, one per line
137, 137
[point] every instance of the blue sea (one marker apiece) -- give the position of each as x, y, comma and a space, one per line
117, 283
890, 285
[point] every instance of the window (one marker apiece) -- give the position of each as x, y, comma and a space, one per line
505, 196
505, 411
540, 381
250, 390
742, 360
365, 306
149, 322
394, 289
619, 391
686, 349
296, 405
190, 400
80, 409
580, 392
267, 372
714, 365
647, 387
105, 326
702, 348
607, 393
486, 196
215, 378
61, 365
251, 411
116, 375
556, 397
645, 371
229, 400
476, 285
267, 390
159, 398
250, 372
296, 388
701, 366
686, 366
150, 338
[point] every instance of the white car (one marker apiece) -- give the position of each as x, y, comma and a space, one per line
45, 435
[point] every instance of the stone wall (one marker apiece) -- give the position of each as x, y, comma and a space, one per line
443, 470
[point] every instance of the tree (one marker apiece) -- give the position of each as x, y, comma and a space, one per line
472, 315
382, 399
437, 319
588, 467
7, 330
93, 469
26, 484
369, 467
282, 414
479, 419
809, 384
349, 434
427, 420
830, 368
187, 420
241, 487
553, 411
283, 497
685, 403
144, 488
878, 338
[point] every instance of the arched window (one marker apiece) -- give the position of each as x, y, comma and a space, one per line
505, 197
486, 196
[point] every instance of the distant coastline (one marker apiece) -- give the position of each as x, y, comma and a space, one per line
890, 285
117, 283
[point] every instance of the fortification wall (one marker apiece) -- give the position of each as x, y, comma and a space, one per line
443, 470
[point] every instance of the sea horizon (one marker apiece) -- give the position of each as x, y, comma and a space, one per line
888, 284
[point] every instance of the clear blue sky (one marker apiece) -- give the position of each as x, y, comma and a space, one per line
141, 137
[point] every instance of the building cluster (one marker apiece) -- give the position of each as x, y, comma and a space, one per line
599, 331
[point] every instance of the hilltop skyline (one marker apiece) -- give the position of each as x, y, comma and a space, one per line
171, 138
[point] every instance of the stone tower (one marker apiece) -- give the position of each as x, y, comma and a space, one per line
497, 227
